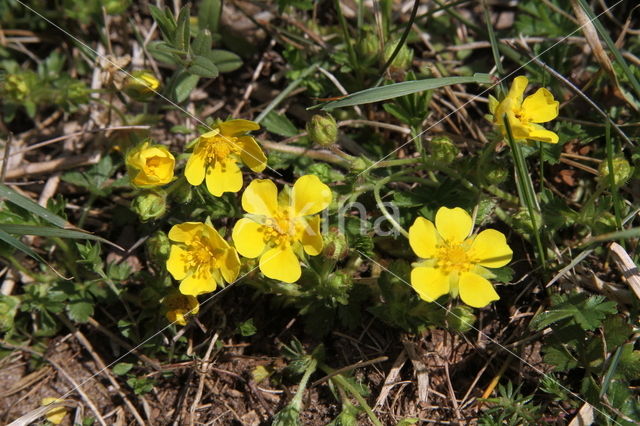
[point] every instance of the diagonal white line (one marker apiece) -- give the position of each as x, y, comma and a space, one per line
492, 340
473, 98
77, 40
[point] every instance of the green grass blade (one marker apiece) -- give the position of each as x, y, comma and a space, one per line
396, 90
44, 231
31, 206
612, 236
19, 245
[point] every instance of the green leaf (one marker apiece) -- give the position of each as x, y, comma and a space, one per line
247, 328
279, 124
209, 15
395, 90
588, 313
8, 309
225, 61
201, 45
80, 311
616, 331
560, 357
43, 231
19, 245
31, 206
185, 86
183, 29
163, 52
165, 22
121, 368
203, 67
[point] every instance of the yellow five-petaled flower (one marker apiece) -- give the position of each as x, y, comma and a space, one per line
178, 306
200, 259
524, 116
455, 262
216, 154
278, 229
150, 165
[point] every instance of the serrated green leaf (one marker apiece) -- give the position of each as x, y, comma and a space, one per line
616, 331
80, 311
225, 61
31, 206
629, 363
588, 313
203, 67
560, 358
395, 90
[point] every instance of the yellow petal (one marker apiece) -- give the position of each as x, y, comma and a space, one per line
261, 198
176, 316
212, 236
423, 238
493, 104
453, 225
539, 133
248, 238
224, 176
185, 232
195, 169
280, 263
230, 265
516, 92
540, 107
237, 127
199, 282
476, 291
429, 283
309, 196
54, 415
252, 154
311, 238
176, 264
490, 249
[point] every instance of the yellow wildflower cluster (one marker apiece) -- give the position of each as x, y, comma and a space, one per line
281, 228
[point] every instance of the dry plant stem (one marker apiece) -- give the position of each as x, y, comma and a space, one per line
51, 166
349, 368
203, 371
316, 155
391, 378
452, 394
62, 371
102, 367
494, 382
150, 362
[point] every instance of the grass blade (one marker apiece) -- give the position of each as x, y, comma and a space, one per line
391, 91
44, 231
31, 206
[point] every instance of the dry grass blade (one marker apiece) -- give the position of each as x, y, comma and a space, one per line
627, 266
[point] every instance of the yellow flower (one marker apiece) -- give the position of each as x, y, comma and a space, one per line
201, 259
179, 306
150, 165
216, 155
455, 262
524, 116
279, 228
55, 415
140, 85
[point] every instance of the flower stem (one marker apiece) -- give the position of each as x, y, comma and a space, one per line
383, 209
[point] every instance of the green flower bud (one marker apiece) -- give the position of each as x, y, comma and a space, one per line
116, 7
359, 164
460, 318
443, 150
335, 245
403, 59
151, 204
496, 174
622, 171
158, 247
141, 85
15, 87
323, 129
369, 48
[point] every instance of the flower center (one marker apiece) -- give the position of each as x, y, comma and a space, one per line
200, 254
219, 148
453, 258
281, 228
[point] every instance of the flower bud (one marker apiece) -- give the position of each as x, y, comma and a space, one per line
443, 150
141, 85
335, 245
178, 306
403, 59
460, 318
323, 129
150, 165
150, 204
496, 174
158, 247
15, 87
622, 171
